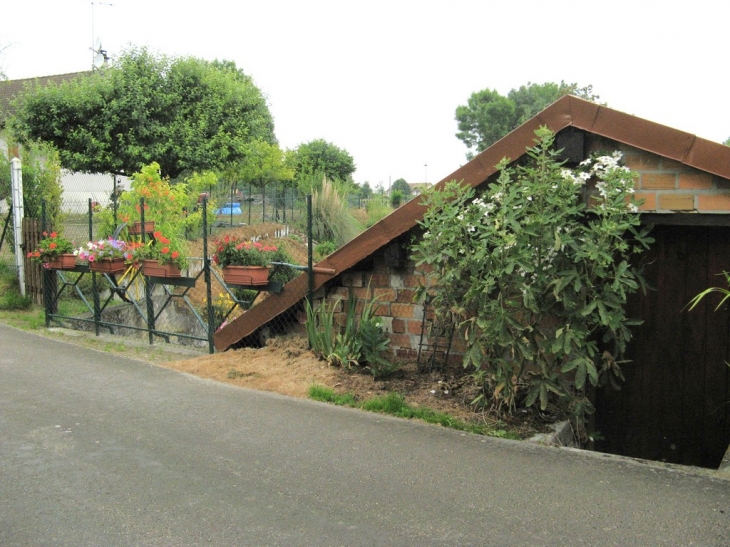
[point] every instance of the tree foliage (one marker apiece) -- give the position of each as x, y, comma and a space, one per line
184, 113
489, 116
401, 186
727, 142
320, 159
265, 163
41, 174
535, 279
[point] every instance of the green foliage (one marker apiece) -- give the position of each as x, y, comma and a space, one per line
331, 219
401, 186
377, 209
537, 279
185, 113
489, 116
164, 203
320, 159
355, 342
396, 198
41, 173
396, 405
327, 395
280, 273
365, 191
265, 163
727, 142
325, 248
721, 290
15, 301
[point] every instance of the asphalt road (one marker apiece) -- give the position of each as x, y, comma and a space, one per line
101, 450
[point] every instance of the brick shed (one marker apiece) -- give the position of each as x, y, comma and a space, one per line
675, 404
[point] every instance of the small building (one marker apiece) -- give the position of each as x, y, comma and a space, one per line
675, 403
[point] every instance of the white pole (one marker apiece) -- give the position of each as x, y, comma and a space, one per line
16, 178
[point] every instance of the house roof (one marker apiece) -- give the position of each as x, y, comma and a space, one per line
9, 89
566, 112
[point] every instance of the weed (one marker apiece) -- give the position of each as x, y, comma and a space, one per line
395, 404
15, 301
327, 395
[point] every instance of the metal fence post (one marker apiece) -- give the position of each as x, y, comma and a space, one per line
206, 274
310, 252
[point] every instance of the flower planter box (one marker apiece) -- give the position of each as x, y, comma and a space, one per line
136, 228
62, 262
152, 268
108, 265
246, 275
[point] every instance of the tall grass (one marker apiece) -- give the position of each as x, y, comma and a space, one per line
331, 218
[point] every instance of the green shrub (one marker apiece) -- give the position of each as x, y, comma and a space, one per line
324, 249
537, 278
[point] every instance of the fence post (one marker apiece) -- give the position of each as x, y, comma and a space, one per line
148, 285
206, 274
16, 178
94, 286
310, 249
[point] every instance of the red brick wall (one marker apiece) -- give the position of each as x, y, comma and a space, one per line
667, 186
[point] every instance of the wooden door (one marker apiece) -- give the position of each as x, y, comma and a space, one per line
675, 403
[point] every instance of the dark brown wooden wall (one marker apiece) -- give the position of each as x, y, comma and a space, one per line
675, 403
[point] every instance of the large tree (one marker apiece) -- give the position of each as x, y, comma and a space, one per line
489, 116
320, 158
184, 113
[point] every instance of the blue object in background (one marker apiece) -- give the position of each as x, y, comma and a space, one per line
229, 209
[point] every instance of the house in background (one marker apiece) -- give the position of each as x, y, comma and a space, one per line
675, 403
78, 188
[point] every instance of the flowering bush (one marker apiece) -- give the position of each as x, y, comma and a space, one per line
104, 249
536, 277
50, 247
231, 251
162, 249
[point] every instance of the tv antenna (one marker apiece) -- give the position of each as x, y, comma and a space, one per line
99, 58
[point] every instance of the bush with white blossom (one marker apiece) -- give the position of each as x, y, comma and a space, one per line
535, 271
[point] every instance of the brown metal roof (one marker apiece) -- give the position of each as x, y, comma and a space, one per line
568, 111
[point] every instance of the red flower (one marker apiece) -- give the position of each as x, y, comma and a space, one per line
52, 245
165, 250
174, 255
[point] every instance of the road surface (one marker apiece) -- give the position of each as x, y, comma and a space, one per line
101, 450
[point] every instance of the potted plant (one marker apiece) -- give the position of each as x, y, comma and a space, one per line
160, 257
243, 262
105, 255
55, 252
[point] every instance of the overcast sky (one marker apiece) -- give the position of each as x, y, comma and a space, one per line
382, 79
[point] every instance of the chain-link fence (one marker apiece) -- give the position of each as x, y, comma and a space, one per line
186, 308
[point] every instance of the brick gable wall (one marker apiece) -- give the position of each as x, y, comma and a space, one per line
665, 185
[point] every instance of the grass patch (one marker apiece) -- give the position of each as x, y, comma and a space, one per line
395, 404
327, 395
